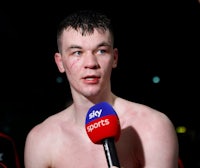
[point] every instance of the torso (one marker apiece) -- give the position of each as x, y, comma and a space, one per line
74, 150
70, 146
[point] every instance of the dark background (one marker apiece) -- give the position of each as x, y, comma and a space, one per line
154, 38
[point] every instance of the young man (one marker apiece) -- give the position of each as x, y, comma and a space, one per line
87, 55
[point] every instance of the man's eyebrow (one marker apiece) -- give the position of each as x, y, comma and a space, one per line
74, 46
103, 44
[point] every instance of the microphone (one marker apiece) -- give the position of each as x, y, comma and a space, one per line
103, 127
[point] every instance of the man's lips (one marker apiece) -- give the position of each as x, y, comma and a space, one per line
91, 79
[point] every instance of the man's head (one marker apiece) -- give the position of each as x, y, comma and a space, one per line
85, 22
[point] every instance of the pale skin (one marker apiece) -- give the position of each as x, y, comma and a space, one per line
148, 138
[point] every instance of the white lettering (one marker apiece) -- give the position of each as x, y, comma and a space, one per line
95, 114
98, 124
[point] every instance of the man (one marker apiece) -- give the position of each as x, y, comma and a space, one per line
87, 55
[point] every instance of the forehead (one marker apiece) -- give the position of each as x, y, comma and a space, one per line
74, 37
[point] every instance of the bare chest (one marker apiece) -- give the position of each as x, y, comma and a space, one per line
89, 155
80, 155
74, 149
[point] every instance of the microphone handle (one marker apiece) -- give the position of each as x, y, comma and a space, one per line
110, 151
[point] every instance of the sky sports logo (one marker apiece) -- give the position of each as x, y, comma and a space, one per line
99, 110
99, 116
102, 122
95, 114
95, 121
98, 124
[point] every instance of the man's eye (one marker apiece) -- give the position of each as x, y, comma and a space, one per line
101, 51
77, 53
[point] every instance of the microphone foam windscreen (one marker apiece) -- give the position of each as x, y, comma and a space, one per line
102, 122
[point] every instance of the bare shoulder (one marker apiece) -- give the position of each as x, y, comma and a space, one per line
44, 138
48, 130
53, 122
141, 116
150, 129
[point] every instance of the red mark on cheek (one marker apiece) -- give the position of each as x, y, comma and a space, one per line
74, 62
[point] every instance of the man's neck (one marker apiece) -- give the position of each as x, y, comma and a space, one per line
81, 106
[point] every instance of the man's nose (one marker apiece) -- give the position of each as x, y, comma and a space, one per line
91, 61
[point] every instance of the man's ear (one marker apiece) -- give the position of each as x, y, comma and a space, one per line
59, 63
115, 57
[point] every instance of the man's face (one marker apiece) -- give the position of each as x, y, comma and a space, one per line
87, 60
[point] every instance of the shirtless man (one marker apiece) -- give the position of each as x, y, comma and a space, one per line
87, 55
